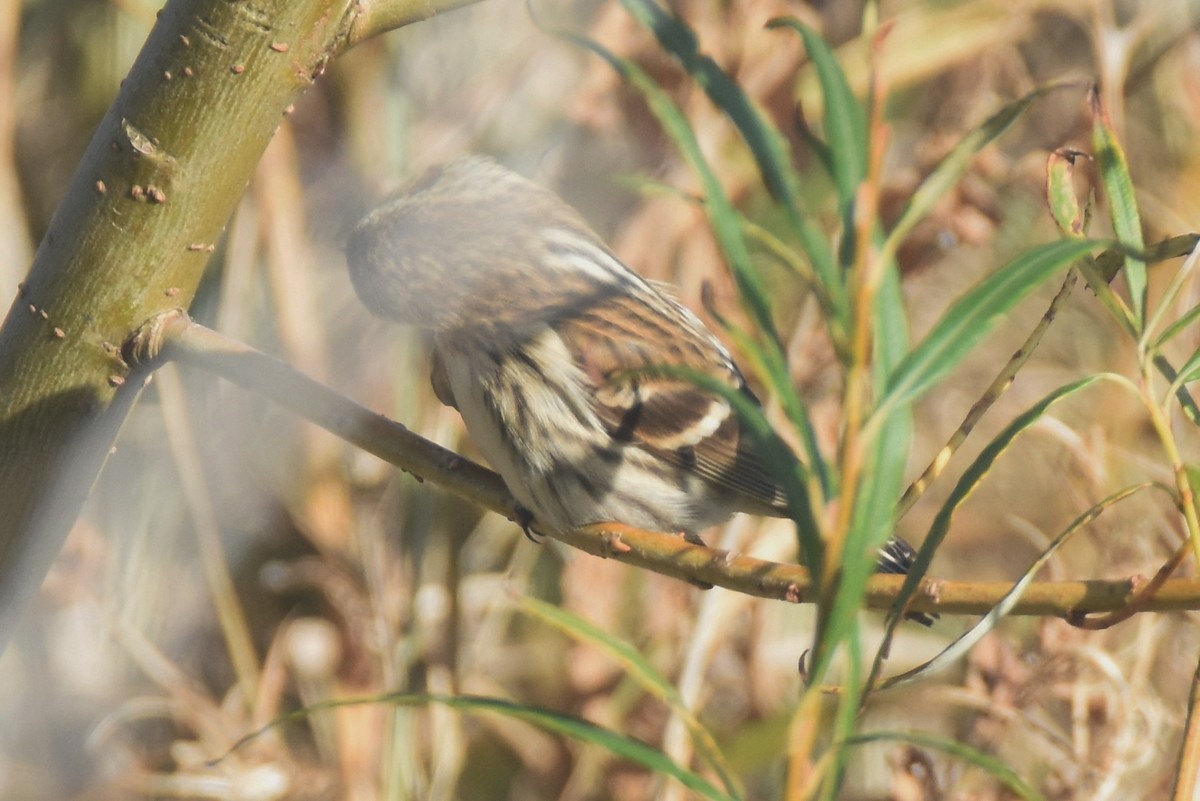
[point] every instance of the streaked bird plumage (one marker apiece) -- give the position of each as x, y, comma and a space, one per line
539, 332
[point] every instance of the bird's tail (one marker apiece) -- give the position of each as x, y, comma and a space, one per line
897, 557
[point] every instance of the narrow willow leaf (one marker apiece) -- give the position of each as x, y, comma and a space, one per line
1122, 203
967, 483
639, 668
764, 141
892, 449
1186, 401
848, 714
770, 363
720, 211
1099, 273
1185, 322
951, 169
993, 766
1184, 245
768, 146
727, 227
973, 316
846, 131
874, 516
872, 522
1172, 248
784, 255
620, 745
1069, 214
1189, 372
821, 151
1165, 304
845, 119
1175, 247
965, 642
994, 391
777, 457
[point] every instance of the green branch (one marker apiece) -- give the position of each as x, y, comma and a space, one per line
173, 336
157, 184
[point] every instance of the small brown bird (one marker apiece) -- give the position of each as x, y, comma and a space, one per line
539, 332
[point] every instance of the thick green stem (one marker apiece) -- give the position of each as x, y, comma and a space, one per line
156, 185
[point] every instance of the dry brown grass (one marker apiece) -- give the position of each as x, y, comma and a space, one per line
354, 580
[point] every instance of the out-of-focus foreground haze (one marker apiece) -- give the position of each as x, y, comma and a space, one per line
355, 579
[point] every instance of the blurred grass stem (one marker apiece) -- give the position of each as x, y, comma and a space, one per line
204, 520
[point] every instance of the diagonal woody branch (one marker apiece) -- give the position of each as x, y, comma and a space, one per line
156, 185
173, 336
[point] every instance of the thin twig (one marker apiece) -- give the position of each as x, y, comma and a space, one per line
1187, 778
217, 575
1136, 604
173, 336
995, 390
374, 17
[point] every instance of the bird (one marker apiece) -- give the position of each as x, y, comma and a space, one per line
546, 344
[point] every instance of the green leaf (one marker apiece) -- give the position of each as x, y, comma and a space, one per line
973, 316
845, 119
1185, 322
1189, 372
727, 227
967, 483
848, 713
951, 169
764, 141
845, 130
1099, 273
1183, 277
1186, 401
969, 639
620, 745
875, 511
891, 451
991, 765
776, 454
1069, 215
640, 669
721, 213
768, 146
1122, 203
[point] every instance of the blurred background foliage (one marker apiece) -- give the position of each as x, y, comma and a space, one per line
354, 579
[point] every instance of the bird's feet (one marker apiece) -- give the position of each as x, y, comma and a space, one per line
524, 518
897, 557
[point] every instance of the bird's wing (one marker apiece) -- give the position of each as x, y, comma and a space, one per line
668, 415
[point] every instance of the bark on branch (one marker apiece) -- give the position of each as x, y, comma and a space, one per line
174, 336
156, 185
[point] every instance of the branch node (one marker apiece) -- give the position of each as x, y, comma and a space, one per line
145, 348
616, 544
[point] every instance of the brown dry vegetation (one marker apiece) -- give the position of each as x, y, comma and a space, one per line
356, 580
